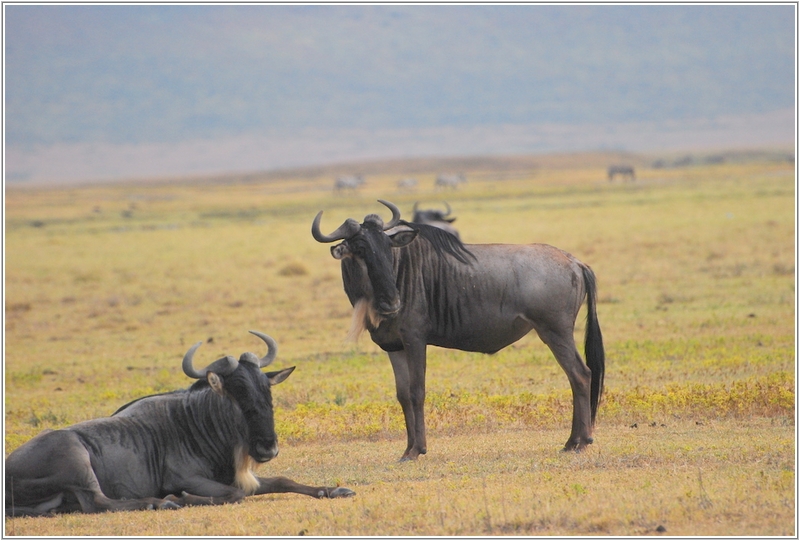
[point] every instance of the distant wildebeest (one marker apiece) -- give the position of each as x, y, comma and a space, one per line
190, 447
412, 285
436, 218
449, 181
348, 183
407, 184
624, 171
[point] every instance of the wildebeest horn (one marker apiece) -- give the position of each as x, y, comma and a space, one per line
414, 210
225, 365
272, 349
349, 228
446, 204
395, 214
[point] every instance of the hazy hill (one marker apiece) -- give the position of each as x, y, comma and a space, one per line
139, 74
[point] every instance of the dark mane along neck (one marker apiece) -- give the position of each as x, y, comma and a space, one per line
443, 242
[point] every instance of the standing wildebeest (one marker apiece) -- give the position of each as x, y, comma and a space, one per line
406, 184
191, 447
412, 285
436, 218
449, 181
350, 183
624, 171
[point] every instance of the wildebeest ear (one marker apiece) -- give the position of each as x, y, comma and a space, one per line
402, 235
277, 377
340, 251
215, 382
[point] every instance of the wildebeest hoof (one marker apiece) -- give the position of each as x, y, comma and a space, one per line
341, 492
577, 446
169, 505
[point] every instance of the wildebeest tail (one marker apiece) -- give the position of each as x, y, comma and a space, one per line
593, 347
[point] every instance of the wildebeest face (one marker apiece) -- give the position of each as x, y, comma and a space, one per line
250, 388
244, 383
371, 252
366, 254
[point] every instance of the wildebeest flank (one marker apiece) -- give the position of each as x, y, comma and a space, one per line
412, 285
190, 447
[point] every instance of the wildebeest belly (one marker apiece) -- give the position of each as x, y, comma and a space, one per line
482, 335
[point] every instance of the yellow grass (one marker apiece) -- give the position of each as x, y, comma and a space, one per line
107, 286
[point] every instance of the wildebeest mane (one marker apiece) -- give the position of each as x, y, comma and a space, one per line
197, 385
442, 242
132, 402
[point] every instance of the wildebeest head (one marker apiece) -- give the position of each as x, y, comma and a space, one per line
427, 216
243, 382
370, 245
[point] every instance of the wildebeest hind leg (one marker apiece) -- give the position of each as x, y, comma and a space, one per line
96, 501
52, 473
562, 344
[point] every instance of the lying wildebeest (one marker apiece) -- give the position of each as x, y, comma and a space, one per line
449, 181
412, 285
436, 218
624, 171
195, 446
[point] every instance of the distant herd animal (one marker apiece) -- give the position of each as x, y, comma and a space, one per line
411, 284
450, 181
625, 172
348, 183
351, 183
436, 218
407, 184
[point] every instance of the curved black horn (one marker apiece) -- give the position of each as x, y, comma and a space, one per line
272, 349
448, 208
225, 365
188, 369
347, 229
395, 214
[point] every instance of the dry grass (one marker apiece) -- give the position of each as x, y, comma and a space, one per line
677, 477
107, 286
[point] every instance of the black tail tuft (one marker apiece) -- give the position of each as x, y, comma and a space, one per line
593, 347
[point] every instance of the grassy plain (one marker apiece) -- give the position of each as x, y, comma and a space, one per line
106, 286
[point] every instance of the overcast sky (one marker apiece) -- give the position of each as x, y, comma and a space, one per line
114, 91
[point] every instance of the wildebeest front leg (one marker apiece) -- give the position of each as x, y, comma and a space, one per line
203, 491
409, 375
401, 381
274, 485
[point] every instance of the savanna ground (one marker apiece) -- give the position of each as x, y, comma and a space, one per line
107, 286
